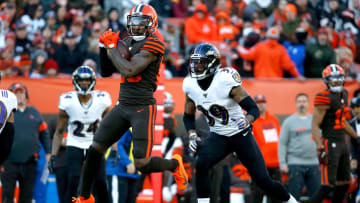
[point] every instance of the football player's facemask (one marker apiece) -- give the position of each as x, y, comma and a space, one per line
141, 21
84, 80
333, 76
204, 61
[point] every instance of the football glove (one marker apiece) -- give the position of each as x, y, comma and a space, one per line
51, 164
241, 122
194, 140
110, 39
322, 154
114, 157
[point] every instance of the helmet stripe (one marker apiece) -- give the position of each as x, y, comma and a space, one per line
139, 8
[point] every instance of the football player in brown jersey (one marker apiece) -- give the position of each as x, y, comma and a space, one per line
329, 117
136, 106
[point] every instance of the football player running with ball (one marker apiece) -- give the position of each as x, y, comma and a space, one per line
136, 107
81, 112
219, 95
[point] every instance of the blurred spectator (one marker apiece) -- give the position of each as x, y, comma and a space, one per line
266, 130
6, 61
69, 56
50, 18
4, 29
291, 22
39, 57
114, 23
226, 31
199, 27
297, 151
278, 16
50, 46
347, 39
92, 64
93, 40
179, 8
354, 5
305, 12
22, 44
9, 13
22, 66
352, 70
33, 20
355, 143
163, 7
21, 164
51, 68
270, 57
250, 38
343, 18
77, 28
318, 55
296, 48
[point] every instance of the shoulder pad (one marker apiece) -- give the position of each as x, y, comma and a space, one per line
154, 45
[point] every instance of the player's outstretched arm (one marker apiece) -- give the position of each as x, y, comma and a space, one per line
240, 95
58, 135
138, 62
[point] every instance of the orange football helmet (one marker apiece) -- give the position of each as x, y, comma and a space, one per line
333, 76
141, 16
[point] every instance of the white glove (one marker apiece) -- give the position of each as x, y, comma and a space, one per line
193, 141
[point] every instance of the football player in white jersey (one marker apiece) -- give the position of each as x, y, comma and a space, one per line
8, 105
81, 112
219, 95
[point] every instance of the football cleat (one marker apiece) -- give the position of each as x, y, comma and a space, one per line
180, 174
81, 199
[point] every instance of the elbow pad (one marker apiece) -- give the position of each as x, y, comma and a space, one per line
250, 106
189, 122
106, 66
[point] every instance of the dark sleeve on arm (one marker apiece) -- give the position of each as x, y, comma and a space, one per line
189, 121
250, 106
45, 138
106, 66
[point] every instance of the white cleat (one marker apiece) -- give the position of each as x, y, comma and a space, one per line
292, 200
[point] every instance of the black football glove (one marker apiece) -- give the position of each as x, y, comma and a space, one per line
51, 164
114, 157
322, 154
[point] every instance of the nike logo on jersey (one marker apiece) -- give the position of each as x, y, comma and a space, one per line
140, 110
244, 134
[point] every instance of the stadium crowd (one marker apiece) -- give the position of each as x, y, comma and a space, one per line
260, 39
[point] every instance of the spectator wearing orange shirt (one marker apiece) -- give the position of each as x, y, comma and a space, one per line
199, 27
226, 31
270, 57
266, 130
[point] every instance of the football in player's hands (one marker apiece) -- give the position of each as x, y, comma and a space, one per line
123, 49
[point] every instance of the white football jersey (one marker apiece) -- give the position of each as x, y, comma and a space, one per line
8, 103
83, 119
220, 110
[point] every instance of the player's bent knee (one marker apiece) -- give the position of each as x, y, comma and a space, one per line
98, 147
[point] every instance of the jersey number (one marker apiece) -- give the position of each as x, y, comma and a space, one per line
80, 126
132, 79
340, 119
216, 111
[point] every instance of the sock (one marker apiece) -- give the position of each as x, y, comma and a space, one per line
89, 171
158, 164
203, 200
339, 193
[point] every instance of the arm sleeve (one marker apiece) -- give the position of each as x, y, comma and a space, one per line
283, 142
106, 66
44, 137
248, 54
